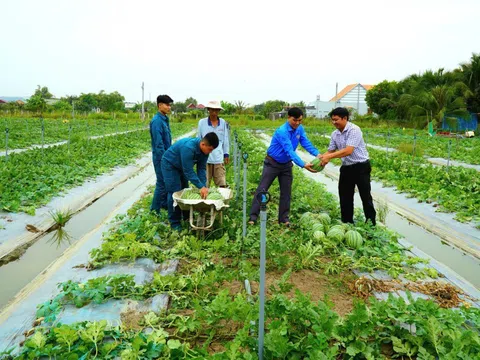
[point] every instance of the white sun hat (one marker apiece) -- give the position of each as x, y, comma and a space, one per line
214, 104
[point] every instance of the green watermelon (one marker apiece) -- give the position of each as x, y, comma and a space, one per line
354, 239
317, 227
318, 235
214, 196
317, 164
340, 228
324, 218
336, 235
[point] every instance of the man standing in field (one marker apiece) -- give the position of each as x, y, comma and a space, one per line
278, 163
347, 144
219, 157
161, 138
177, 170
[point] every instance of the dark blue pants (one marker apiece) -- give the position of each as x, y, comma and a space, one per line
271, 171
160, 195
174, 181
356, 174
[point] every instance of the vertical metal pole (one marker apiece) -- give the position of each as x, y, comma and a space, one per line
414, 144
245, 157
388, 138
69, 136
43, 132
6, 143
263, 197
237, 175
143, 102
449, 147
73, 109
235, 164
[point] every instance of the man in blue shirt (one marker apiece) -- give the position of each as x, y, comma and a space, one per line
161, 138
177, 170
278, 163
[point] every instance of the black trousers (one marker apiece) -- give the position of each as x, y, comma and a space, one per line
272, 170
359, 175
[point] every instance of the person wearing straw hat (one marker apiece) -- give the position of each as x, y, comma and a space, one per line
219, 157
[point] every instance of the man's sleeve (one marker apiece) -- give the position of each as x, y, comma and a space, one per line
306, 144
199, 130
186, 154
158, 145
226, 141
354, 137
332, 146
287, 146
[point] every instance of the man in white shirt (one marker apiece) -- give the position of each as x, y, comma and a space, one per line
219, 157
348, 145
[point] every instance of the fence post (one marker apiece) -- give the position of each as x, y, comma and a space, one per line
6, 143
449, 147
43, 132
262, 197
414, 143
245, 157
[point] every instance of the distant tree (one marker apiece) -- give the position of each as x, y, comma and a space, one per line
383, 98
471, 77
43, 92
62, 105
259, 109
272, 106
86, 102
299, 104
36, 103
228, 108
179, 107
190, 100
240, 106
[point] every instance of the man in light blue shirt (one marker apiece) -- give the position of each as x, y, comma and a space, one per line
161, 139
219, 157
278, 163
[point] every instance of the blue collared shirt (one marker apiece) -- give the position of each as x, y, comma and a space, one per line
350, 136
183, 155
285, 141
160, 135
222, 131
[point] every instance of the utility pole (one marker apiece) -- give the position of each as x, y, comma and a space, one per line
358, 98
143, 103
336, 93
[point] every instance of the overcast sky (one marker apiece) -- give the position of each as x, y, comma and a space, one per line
228, 50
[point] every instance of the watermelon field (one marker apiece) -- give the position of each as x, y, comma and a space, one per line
333, 291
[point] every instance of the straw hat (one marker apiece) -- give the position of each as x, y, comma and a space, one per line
214, 104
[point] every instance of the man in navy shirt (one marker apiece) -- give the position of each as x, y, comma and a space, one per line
177, 169
278, 163
161, 138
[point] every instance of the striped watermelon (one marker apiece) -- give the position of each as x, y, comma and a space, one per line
354, 239
336, 234
340, 228
317, 165
319, 235
324, 218
317, 227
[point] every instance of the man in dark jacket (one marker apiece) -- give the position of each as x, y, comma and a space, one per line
161, 137
177, 169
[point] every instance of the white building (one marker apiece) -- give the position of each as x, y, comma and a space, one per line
352, 96
129, 104
319, 109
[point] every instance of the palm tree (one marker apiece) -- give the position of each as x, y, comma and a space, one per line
435, 104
